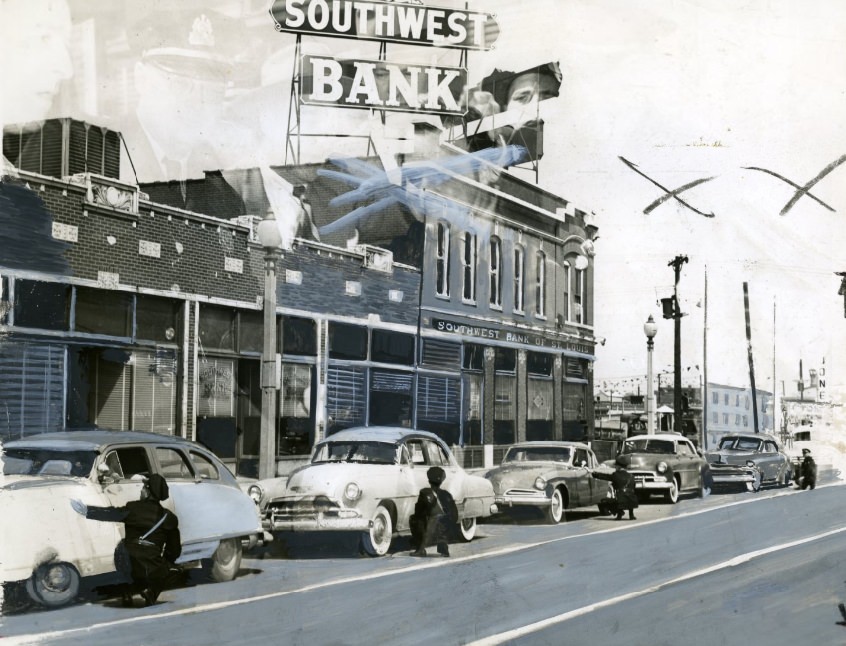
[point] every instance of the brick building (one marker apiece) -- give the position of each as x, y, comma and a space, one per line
468, 314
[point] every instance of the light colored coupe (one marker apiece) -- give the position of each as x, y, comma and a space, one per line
51, 549
366, 479
551, 476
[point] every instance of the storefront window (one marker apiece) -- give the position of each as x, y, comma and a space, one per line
439, 407
346, 398
574, 424
296, 421
392, 347
42, 305
299, 336
216, 387
103, 311
347, 341
251, 331
505, 408
390, 398
539, 396
37, 370
472, 406
158, 319
217, 328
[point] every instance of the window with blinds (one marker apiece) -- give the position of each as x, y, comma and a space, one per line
154, 392
346, 397
32, 395
441, 354
438, 399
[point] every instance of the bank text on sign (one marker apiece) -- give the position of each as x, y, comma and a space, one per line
382, 85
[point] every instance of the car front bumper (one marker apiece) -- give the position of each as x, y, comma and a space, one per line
645, 481
522, 498
303, 516
733, 477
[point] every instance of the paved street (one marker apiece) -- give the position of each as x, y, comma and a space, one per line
767, 564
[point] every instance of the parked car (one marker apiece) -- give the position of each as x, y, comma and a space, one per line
50, 547
550, 476
366, 479
667, 464
750, 460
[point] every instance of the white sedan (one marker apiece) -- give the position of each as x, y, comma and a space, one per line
367, 479
50, 548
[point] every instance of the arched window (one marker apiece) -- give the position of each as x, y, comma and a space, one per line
519, 273
468, 265
540, 284
495, 273
442, 261
580, 296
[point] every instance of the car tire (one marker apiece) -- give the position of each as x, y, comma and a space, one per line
755, 485
555, 511
377, 540
785, 478
672, 494
226, 560
467, 529
53, 584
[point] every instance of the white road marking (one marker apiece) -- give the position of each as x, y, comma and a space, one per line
39, 638
503, 637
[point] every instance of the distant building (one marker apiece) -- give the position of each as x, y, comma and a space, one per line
730, 410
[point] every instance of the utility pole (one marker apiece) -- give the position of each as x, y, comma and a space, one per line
842, 290
678, 426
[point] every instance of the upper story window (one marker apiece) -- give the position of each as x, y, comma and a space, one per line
468, 266
566, 270
442, 261
519, 274
580, 296
540, 284
715, 398
495, 273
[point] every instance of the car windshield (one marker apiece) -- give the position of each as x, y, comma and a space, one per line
538, 454
649, 446
47, 462
368, 452
740, 443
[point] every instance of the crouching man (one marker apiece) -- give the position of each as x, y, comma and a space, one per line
435, 515
151, 538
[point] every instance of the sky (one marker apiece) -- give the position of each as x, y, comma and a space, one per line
724, 94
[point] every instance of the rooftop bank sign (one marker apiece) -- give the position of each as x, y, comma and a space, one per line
381, 85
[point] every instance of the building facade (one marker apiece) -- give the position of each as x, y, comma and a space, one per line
730, 410
142, 308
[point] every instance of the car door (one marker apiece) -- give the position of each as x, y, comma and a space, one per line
127, 465
208, 509
598, 489
416, 480
582, 489
770, 460
688, 465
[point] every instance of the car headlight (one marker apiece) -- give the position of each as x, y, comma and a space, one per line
540, 483
749, 463
352, 491
661, 467
255, 493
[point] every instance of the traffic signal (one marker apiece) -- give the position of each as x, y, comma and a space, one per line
668, 305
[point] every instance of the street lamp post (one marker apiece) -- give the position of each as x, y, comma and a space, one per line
650, 329
271, 241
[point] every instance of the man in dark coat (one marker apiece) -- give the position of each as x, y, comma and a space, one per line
435, 514
151, 538
808, 470
624, 488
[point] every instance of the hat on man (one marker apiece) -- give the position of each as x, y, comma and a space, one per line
623, 461
157, 486
435, 475
806, 451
